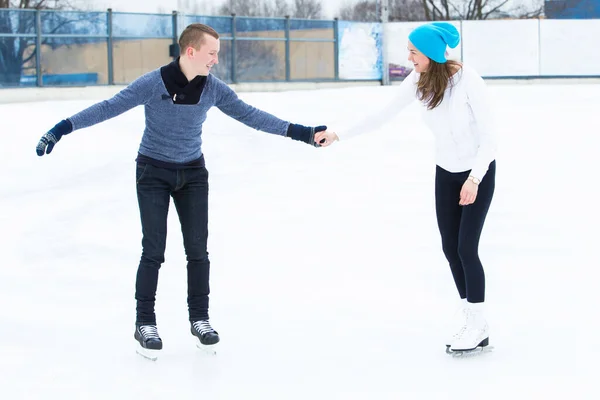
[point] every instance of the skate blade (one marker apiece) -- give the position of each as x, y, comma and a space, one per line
469, 353
209, 350
149, 354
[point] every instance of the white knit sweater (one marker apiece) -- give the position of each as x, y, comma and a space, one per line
461, 123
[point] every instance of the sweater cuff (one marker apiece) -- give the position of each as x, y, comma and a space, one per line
479, 172
70, 122
64, 127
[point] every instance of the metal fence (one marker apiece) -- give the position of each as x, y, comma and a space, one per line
72, 48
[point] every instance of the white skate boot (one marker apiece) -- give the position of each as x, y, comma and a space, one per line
473, 337
456, 323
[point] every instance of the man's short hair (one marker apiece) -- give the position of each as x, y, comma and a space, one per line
194, 36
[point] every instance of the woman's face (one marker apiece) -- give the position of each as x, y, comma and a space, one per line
419, 60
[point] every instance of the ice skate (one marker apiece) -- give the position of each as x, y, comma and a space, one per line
149, 340
206, 336
456, 323
482, 347
473, 337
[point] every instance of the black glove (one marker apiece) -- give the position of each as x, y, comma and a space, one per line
305, 134
52, 137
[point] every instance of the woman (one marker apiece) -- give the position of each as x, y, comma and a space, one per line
456, 110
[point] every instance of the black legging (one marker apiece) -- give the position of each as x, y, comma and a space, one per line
461, 226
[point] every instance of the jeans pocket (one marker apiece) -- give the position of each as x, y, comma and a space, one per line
140, 171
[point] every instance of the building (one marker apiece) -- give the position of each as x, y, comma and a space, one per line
572, 9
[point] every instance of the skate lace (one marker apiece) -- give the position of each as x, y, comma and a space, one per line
466, 316
149, 331
202, 327
468, 329
461, 332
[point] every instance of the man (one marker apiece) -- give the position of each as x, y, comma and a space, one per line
170, 163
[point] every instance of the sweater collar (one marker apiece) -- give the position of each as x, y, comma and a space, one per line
178, 86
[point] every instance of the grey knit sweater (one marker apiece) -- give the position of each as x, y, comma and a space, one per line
173, 132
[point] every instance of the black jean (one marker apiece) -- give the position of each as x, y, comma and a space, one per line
460, 228
189, 190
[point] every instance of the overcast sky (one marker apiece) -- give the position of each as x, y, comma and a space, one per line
330, 7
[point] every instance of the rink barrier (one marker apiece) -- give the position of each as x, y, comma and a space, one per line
534, 80
32, 94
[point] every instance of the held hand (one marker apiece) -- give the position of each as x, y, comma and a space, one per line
468, 193
325, 138
50, 138
305, 134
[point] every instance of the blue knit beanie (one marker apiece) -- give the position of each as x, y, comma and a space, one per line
431, 39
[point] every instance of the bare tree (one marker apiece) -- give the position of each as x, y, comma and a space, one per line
444, 10
17, 52
308, 9
406, 10
190, 7
363, 11
534, 9
472, 9
369, 11
255, 8
31, 4
440, 10
277, 8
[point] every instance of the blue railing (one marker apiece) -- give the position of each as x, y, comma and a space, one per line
62, 48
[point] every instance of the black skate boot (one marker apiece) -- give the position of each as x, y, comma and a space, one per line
150, 342
207, 336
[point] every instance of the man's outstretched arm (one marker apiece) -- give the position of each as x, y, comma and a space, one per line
229, 102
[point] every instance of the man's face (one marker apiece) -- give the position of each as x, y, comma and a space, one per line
206, 56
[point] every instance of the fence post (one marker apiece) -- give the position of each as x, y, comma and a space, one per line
385, 68
174, 53
336, 49
38, 48
233, 50
539, 46
462, 43
287, 49
109, 43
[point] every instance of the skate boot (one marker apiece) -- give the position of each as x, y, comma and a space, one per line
206, 336
473, 338
150, 342
456, 323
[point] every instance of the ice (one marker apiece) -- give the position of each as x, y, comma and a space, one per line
328, 280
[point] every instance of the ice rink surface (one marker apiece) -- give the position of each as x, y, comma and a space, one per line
328, 279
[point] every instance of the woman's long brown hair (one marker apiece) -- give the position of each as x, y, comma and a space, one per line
433, 83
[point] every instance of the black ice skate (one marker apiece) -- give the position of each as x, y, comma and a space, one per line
206, 335
150, 342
